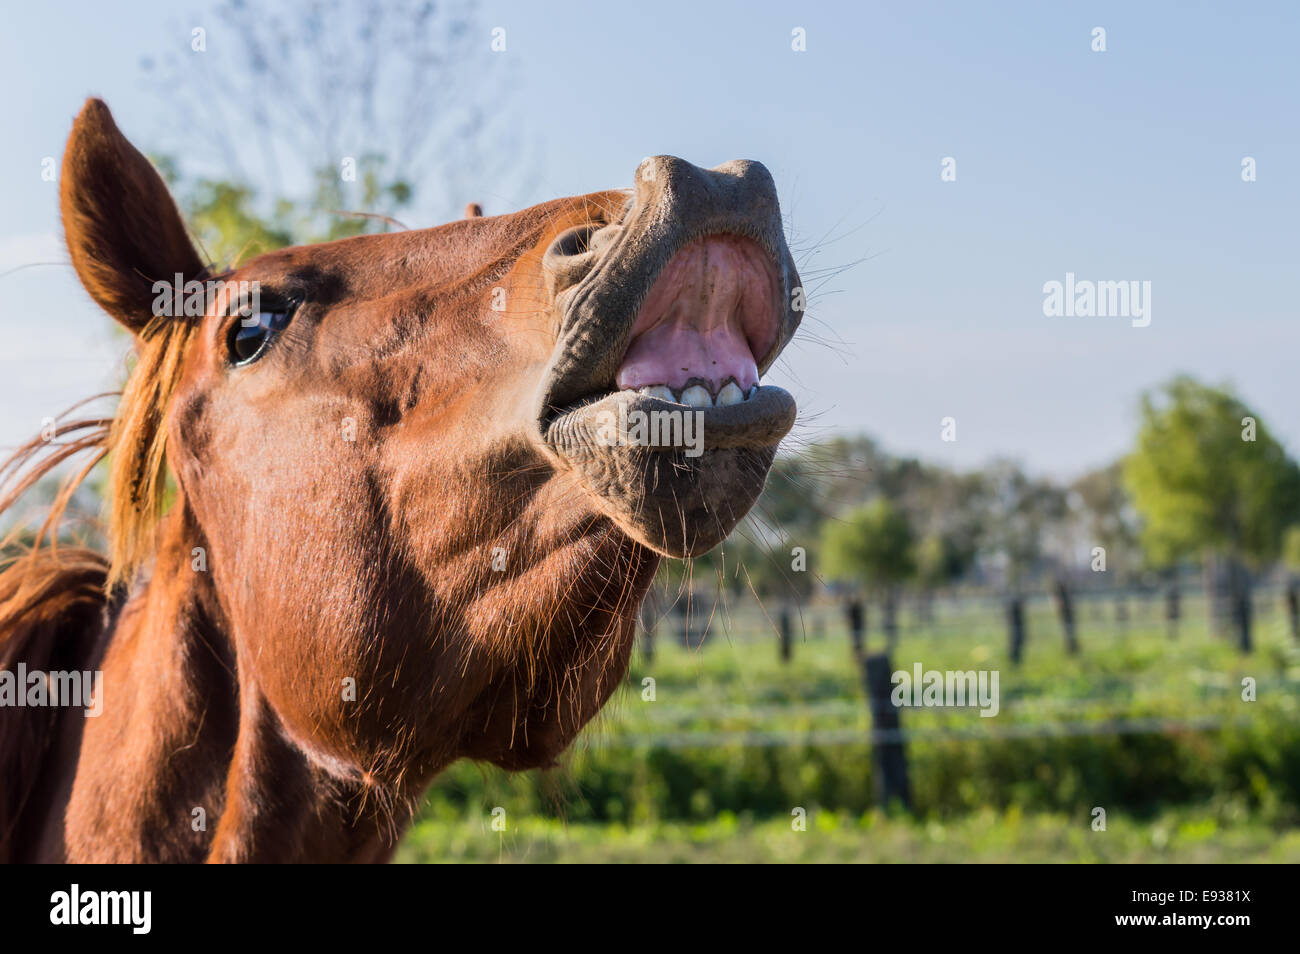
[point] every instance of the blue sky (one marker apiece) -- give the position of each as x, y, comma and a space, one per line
1122, 165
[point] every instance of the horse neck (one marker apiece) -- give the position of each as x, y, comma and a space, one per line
186, 762
190, 762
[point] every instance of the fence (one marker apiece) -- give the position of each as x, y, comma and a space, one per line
880, 723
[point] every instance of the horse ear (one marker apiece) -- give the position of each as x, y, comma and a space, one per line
123, 230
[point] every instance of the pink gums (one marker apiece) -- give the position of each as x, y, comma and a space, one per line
709, 316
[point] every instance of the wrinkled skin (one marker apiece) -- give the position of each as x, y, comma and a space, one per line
403, 493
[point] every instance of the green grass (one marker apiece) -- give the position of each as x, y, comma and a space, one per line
985, 836
733, 740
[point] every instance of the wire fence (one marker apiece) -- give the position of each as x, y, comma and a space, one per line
850, 736
1112, 706
1010, 705
1110, 612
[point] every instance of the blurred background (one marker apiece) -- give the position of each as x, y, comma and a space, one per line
1105, 513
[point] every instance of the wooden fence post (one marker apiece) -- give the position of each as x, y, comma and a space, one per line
1065, 607
1016, 627
889, 758
1242, 612
1173, 610
857, 625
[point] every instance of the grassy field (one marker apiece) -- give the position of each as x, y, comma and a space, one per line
984, 836
712, 763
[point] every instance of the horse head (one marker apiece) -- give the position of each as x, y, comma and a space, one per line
423, 479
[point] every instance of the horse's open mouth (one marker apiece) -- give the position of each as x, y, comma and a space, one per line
677, 434
712, 314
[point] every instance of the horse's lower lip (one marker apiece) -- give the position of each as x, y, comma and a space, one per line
604, 424
675, 478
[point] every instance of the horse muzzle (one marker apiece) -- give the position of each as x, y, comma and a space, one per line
668, 317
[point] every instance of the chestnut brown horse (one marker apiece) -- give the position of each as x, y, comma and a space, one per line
391, 517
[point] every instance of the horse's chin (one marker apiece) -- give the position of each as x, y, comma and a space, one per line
675, 478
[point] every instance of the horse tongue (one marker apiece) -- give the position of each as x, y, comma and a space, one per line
676, 352
699, 318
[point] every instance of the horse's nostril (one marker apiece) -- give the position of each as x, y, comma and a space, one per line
576, 241
571, 257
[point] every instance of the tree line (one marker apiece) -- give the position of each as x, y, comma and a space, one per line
1205, 489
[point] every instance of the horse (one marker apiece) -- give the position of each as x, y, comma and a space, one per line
397, 510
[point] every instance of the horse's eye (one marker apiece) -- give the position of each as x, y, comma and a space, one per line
251, 333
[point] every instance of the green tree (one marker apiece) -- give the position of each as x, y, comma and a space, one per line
1020, 511
1104, 509
1209, 480
318, 116
1108, 516
231, 225
1291, 550
933, 562
876, 546
1291, 560
940, 560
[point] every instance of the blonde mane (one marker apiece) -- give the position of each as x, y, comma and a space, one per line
135, 442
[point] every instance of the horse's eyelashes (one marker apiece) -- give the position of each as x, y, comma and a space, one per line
251, 334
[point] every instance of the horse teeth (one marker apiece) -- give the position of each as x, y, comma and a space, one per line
659, 391
697, 396
731, 394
